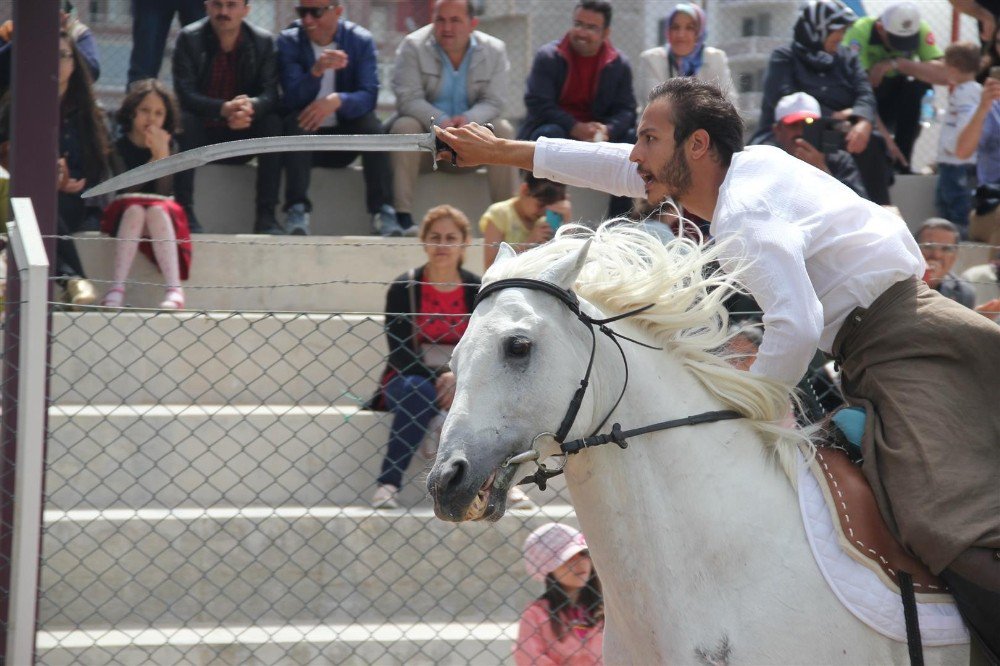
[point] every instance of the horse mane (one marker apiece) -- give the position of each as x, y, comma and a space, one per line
627, 268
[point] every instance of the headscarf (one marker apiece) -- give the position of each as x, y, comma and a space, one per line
817, 19
690, 64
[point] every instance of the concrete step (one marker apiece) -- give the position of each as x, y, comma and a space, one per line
163, 456
233, 358
478, 642
148, 569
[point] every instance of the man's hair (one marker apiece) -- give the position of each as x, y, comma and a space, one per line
599, 6
937, 223
963, 56
698, 105
470, 9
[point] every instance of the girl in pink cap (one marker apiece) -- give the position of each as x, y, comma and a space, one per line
566, 624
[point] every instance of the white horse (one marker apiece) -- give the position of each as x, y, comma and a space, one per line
695, 531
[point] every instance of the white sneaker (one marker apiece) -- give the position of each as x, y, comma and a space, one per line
518, 500
385, 497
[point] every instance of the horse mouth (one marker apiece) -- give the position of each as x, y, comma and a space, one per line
491, 498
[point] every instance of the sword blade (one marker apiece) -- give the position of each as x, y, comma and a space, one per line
196, 157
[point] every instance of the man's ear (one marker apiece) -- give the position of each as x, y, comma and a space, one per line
699, 144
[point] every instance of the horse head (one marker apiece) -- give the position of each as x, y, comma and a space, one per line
517, 365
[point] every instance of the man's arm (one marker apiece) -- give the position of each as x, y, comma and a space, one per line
298, 86
981, 14
185, 71
490, 104
408, 86
932, 71
356, 103
541, 95
622, 117
267, 100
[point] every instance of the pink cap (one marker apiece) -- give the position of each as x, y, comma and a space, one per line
550, 546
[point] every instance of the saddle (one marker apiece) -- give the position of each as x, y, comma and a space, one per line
861, 530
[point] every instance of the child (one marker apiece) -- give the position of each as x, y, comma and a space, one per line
956, 176
566, 624
148, 118
521, 221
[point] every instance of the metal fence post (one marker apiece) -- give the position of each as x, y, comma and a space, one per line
33, 266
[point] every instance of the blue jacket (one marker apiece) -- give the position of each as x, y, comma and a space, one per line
613, 104
357, 84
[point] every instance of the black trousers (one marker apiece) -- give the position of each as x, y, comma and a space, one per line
899, 100
196, 134
298, 166
980, 608
875, 169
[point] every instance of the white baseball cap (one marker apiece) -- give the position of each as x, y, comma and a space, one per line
550, 546
795, 107
901, 21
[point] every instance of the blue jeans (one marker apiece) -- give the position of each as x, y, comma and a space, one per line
953, 197
151, 21
411, 401
550, 131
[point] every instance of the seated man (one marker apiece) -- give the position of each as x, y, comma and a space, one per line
226, 79
938, 239
329, 82
453, 74
898, 51
791, 115
580, 87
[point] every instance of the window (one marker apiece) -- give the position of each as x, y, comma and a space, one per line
749, 26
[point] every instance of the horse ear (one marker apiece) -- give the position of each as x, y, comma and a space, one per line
565, 271
504, 252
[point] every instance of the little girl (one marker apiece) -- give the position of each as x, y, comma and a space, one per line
148, 118
566, 624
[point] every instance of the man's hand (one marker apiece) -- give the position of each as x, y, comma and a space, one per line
158, 141
238, 112
472, 143
857, 137
587, 131
988, 25
990, 94
445, 387
540, 233
990, 309
808, 153
878, 72
313, 115
330, 59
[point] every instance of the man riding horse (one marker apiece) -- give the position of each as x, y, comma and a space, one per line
834, 271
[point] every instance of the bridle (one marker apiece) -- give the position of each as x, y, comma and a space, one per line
617, 435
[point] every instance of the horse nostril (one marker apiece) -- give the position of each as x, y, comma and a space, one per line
454, 474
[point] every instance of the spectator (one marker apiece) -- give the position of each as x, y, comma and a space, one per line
791, 115
148, 120
329, 83
982, 134
938, 239
957, 176
523, 221
886, 47
815, 63
81, 35
566, 624
427, 312
453, 74
580, 87
151, 21
985, 12
991, 58
686, 54
226, 78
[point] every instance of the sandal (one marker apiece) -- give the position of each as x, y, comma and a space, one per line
174, 300
115, 298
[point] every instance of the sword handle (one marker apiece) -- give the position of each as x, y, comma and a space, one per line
442, 147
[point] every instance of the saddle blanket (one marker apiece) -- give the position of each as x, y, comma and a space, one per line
860, 590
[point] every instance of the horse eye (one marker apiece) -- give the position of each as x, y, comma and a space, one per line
518, 346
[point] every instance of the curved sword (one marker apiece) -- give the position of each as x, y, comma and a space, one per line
196, 157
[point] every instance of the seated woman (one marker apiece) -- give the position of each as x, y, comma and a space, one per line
685, 54
426, 312
148, 119
817, 64
526, 220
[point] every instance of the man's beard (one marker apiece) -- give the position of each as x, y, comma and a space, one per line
676, 175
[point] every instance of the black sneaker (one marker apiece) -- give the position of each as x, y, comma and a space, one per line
267, 224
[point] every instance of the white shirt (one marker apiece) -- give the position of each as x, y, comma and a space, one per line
327, 83
813, 249
962, 103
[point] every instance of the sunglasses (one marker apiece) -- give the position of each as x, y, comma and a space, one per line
315, 12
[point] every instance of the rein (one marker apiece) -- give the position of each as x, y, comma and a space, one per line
617, 435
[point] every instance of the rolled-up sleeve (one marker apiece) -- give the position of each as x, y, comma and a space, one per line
599, 166
770, 256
